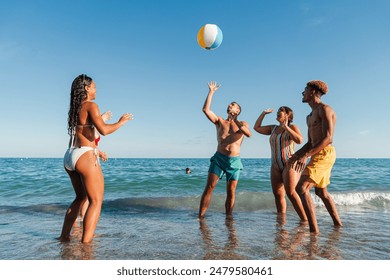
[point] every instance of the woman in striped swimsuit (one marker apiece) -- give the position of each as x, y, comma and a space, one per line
282, 140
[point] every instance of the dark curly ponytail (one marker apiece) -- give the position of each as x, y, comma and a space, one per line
289, 112
77, 95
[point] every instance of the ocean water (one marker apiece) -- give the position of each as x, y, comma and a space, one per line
151, 205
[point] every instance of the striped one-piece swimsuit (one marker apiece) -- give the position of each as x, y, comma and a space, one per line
282, 148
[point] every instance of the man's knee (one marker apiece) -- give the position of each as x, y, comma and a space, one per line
231, 186
303, 186
322, 193
299, 189
209, 188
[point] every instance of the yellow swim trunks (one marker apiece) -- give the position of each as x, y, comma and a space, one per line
320, 166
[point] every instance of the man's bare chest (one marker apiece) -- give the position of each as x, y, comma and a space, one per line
228, 128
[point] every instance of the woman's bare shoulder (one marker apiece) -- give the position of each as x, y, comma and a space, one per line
89, 105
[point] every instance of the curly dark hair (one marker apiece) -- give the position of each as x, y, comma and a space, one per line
320, 86
289, 112
77, 95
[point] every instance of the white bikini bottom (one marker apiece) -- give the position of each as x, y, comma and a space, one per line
73, 154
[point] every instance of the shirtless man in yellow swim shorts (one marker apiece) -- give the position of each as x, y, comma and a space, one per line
321, 122
230, 134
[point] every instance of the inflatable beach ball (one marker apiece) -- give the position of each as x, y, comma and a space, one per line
210, 36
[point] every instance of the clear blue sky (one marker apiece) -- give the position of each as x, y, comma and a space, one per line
144, 58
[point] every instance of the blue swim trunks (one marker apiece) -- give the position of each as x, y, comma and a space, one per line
221, 164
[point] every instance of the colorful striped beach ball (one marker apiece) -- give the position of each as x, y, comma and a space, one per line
210, 36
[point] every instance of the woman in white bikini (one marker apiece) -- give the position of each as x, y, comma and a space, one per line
103, 156
81, 160
282, 140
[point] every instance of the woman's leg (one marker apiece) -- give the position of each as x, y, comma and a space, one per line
290, 179
93, 180
278, 189
84, 209
74, 208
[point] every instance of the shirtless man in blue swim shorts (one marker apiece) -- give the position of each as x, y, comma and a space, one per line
230, 134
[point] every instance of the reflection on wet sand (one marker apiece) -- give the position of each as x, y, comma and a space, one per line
74, 249
216, 251
330, 249
300, 244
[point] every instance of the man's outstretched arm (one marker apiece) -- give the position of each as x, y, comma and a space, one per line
213, 87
